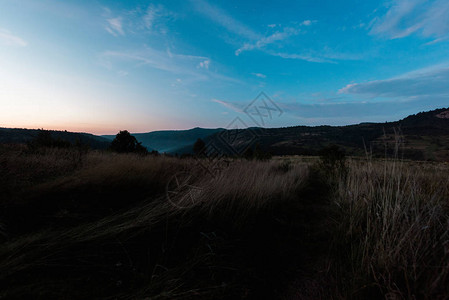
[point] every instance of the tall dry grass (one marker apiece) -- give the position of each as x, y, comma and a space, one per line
21, 168
394, 230
226, 244
281, 229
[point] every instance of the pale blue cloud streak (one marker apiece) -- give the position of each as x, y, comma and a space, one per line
432, 81
407, 17
9, 39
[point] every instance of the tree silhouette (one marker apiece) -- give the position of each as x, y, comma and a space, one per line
124, 142
45, 139
199, 146
256, 153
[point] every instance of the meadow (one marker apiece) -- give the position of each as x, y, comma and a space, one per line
78, 224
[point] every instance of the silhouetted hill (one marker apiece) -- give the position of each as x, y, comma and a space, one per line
172, 141
424, 136
21, 136
432, 122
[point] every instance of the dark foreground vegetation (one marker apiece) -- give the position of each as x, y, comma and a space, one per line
83, 225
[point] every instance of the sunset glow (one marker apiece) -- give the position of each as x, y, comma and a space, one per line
155, 65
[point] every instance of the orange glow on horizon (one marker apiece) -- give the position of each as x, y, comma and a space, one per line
95, 129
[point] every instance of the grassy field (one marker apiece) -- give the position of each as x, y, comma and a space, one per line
79, 225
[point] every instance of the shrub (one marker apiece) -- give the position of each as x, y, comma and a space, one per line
257, 153
124, 142
199, 146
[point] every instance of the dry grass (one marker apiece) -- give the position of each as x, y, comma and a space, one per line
113, 210
101, 226
394, 223
21, 168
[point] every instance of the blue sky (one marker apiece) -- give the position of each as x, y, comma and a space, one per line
103, 66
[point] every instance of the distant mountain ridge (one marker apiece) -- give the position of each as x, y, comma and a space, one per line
422, 136
21, 136
172, 141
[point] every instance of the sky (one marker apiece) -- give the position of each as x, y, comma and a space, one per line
103, 66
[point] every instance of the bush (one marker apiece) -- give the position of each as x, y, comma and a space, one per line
199, 147
124, 142
257, 153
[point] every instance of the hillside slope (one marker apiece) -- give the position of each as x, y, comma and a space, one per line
21, 136
424, 136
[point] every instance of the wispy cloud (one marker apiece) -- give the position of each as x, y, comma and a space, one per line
115, 26
152, 13
335, 111
152, 18
262, 42
122, 73
343, 112
162, 60
379, 100
432, 81
406, 17
309, 58
253, 40
307, 22
7, 38
204, 64
325, 56
260, 75
156, 17
195, 68
222, 18
237, 107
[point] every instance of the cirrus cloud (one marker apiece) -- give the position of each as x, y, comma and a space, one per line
406, 17
8, 39
262, 42
115, 26
433, 81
